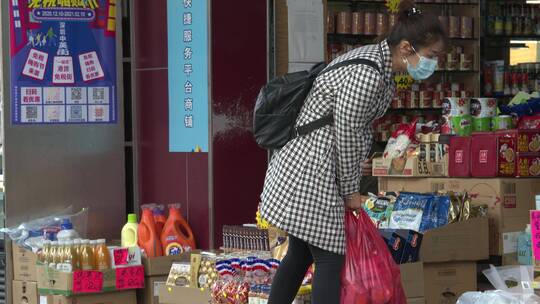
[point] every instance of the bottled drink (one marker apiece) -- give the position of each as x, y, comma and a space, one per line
102, 256
87, 256
43, 254
53, 254
508, 23
71, 257
77, 246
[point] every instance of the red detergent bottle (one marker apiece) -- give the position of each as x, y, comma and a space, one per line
159, 218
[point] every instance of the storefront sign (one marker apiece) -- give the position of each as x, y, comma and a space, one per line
187, 26
63, 61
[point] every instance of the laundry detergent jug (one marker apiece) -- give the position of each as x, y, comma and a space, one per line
177, 236
148, 238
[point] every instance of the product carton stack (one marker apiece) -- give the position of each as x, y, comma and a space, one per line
448, 254
156, 271
24, 285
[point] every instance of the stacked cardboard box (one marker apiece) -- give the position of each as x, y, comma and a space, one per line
156, 271
24, 285
449, 253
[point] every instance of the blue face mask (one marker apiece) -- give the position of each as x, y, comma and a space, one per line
425, 67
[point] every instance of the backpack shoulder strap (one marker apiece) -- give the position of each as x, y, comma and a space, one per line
363, 61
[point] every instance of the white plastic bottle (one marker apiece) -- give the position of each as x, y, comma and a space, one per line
538, 202
67, 233
129, 232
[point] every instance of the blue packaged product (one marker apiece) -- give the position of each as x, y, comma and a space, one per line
411, 250
408, 211
435, 213
379, 209
395, 243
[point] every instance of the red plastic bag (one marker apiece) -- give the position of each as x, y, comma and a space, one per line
370, 275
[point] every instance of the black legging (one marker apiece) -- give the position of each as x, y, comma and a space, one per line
291, 272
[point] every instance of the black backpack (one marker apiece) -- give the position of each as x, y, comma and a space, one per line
280, 101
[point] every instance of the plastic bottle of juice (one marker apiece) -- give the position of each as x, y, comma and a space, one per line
77, 246
159, 218
129, 232
71, 256
53, 254
87, 256
102, 256
44, 253
177, 236
148, 239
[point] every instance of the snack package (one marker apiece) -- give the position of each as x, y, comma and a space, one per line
408, 211
400, 140
179, 275
435, 213
379, 209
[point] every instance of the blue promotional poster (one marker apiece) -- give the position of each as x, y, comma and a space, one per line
187, 26
63, 61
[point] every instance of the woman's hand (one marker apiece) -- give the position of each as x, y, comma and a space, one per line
355, 201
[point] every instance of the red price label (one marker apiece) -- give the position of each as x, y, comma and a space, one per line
87, 281
535, 233
121, 256
130, 277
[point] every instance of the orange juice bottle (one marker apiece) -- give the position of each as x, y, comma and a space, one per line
53, 254
102, 256
177, 236
77, 246
148, 238
87, 256
71, 257
44, 253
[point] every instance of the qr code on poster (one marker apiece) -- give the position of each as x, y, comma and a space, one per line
31, 113
98, 93
76, 94
76, 112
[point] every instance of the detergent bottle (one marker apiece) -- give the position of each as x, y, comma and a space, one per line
129, 232
159, 218
177, 236
148, 238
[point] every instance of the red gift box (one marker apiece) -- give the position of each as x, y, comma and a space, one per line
459, 156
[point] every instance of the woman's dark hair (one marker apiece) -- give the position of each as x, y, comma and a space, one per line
418, 27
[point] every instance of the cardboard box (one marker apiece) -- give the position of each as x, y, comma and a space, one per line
160, 266
408, 167
462, 241
416, 300
509, 199
51, 281
182, 295
125, 297
24, 264
459, 156
528, 140
412, 278
150, 293
25, 292
446, 282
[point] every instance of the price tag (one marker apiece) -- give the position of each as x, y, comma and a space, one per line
403, 81
130, 277
535, 233
87, 281
121, 256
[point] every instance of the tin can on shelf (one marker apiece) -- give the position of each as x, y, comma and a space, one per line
441, 62
452, 61
453, 27
370, 23
426, 99
466, 27
483, 110
330, 23
357, 26
382, 24
456, 106
465, 62
397, 103
503, 122
391, 21
444, 22
344, 22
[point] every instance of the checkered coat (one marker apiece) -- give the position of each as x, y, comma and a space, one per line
308, 179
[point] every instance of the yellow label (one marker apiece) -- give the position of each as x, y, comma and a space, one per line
403, 81
393, 6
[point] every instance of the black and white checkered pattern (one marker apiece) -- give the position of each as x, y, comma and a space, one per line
308, 178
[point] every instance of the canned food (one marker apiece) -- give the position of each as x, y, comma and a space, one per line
331, 23
344, 22
453, 27
382, 24
466, 27
357, 26
397, 103
455, 86
391, 21
369, 23
426, 99
438, 97
413, 98
503, 122
465, 62
452, 62
456, 106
